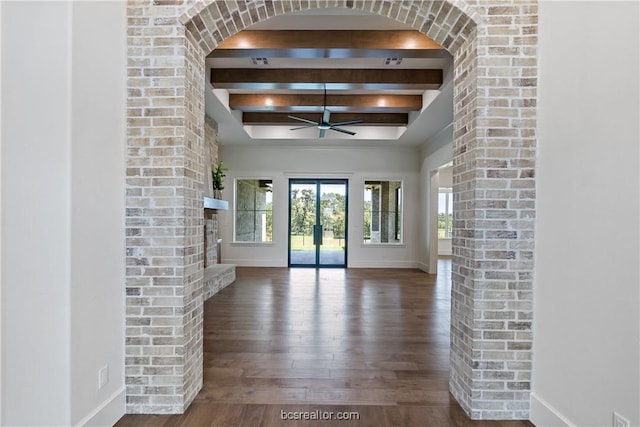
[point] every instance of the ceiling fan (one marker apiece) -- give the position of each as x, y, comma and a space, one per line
325, 123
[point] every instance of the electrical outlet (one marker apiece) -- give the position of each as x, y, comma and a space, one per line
103, 376
620, 421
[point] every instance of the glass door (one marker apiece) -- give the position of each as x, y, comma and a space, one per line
318, 223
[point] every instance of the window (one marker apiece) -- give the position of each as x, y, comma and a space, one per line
445, 213
253, 213
382, 212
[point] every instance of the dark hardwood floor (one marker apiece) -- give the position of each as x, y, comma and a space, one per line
371, 341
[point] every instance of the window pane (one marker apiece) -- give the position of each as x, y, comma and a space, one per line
442, 215
449, 215
445, 213
253, 213
382, 222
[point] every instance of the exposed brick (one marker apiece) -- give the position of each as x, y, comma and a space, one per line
495, 79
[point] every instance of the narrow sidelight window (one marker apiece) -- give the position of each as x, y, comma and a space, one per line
445, 213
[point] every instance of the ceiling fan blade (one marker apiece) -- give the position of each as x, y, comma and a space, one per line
305, 127
326, 115
303, 120
348, 132
322, 131
350, 122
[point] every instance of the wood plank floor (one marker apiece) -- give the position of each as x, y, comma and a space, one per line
371, 341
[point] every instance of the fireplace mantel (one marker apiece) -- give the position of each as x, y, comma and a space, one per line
211, 203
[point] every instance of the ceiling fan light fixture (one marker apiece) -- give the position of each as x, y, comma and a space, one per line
325, 123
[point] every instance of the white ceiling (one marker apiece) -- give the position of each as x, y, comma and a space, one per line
436, 114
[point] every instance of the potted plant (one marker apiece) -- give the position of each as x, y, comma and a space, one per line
217, 176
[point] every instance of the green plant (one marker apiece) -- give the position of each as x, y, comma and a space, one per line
217, 175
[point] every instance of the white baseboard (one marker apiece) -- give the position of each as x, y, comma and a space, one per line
350, 264
545, 415
108, 413
382, 264
256, 263
424, 267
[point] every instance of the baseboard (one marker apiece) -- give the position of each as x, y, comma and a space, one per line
424, 267
544, 415
108, 413
382, 264
256, 263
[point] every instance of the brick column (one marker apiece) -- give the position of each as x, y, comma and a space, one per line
494, 209
164, 219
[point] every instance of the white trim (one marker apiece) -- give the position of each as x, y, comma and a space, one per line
545, 415
108, 413
401, 179
382, 245
382, 264
256, 263
234, 203
424, 267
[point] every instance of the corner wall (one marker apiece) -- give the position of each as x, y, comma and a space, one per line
35, 214
63, 92
587, 311
98, 100
437, 152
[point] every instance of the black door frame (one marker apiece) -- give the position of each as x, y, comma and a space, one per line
318, 182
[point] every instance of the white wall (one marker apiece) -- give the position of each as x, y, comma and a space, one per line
97, 209
63, 88
35, 220
355, 164
586, 321
437, 152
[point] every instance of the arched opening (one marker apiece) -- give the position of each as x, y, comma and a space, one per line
493, 185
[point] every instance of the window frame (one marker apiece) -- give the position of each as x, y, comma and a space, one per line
398, 221
448, 213
235, 241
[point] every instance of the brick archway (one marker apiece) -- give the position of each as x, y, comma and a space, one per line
495, 79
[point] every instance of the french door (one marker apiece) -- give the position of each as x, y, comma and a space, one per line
318, 222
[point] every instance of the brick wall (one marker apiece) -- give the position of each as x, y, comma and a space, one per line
164, 212
494, 47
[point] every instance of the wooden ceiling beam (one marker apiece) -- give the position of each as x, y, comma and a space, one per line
336, 103
332, 78
329, 44
381, 119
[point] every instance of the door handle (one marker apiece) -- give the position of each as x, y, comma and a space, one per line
317, 235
